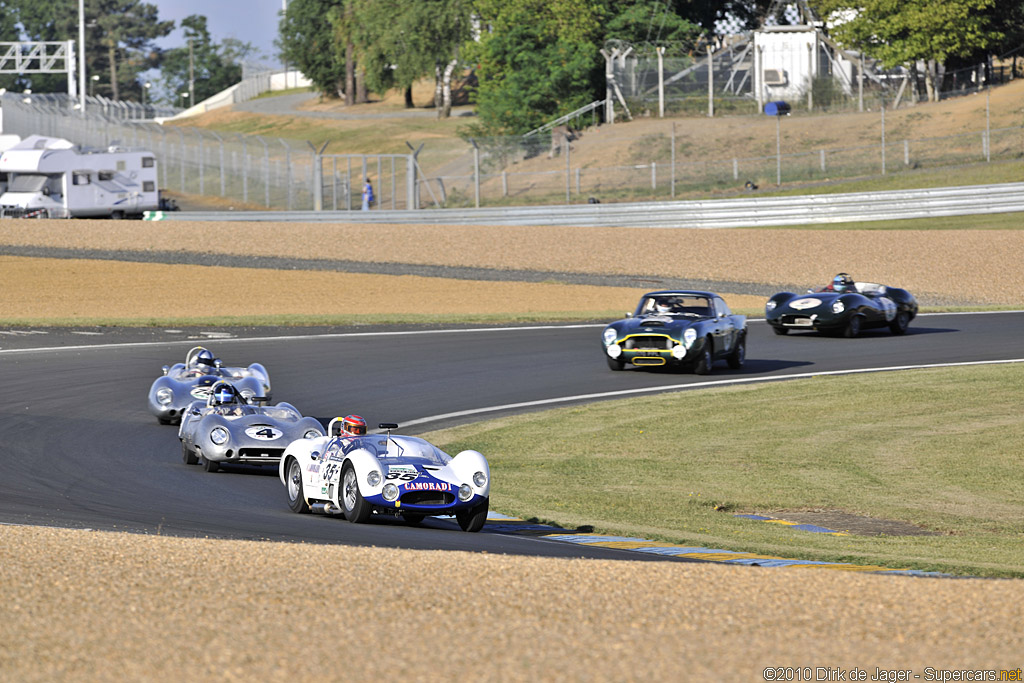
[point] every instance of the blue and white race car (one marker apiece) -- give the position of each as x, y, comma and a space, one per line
183, 383
359, 475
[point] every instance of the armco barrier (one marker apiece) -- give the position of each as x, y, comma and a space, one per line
719, 213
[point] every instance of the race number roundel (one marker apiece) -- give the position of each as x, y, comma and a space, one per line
263, 432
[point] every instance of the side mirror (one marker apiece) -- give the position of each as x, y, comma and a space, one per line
629, 314
315, 455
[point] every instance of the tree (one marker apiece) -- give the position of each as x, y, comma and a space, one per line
307, 41
210, 66
907, 31
651, 22
399, 42
536, 60
119, 37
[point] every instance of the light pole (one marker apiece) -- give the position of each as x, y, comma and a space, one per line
92, 85
81, 53
145, 86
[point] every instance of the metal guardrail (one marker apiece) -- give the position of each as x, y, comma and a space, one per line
719, 213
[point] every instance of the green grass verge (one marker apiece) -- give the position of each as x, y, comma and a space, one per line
938, 448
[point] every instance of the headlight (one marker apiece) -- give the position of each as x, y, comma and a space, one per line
219, 436
479, 479
838, 307
770, 306
373, 478
247, 394
164, 396
610, 335
689, 337
465, 492
678, 351
311, 434
390, 492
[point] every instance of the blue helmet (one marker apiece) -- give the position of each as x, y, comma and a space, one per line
223, 394
204, 357
842, 282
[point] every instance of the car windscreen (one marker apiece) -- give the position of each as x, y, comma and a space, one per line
676, 304
27, 182
401, 447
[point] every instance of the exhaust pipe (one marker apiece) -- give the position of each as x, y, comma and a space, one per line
324, 508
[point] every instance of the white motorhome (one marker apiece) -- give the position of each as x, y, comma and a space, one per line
6, 142
53, 178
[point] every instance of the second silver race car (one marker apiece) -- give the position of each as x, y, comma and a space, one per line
228, 429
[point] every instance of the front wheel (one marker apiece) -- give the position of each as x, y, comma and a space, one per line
412, 518
472, 520
293, 480
780, 330
739, 354
900, 323
357, 510
188, 456
209, 465
615, 364
704, 361
853, 327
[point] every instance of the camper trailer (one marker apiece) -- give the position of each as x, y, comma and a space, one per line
53, 178
6, 142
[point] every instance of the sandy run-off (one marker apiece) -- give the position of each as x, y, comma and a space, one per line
95, 606
964, 266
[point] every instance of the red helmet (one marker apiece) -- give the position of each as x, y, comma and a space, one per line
353, 424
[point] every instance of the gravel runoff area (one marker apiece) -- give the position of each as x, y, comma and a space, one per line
940, 267
96, 606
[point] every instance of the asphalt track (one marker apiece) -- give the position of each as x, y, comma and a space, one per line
80, 449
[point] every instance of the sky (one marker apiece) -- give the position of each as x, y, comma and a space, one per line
253, 21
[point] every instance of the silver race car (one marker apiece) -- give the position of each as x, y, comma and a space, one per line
227, 429
359, 475
183, 383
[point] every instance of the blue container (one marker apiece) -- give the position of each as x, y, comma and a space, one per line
778, 108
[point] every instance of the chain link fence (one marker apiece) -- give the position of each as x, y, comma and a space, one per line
556, 166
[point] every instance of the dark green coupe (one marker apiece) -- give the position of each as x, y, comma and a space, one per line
677, 328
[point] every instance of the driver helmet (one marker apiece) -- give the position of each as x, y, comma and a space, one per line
842, 283
204, 357
224, 394
664, 306
353, 424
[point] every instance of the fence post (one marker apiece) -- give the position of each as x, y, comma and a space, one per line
823, 161
883, 137
504, 183
654, 175
673, 191
476, 172
578, 180
906, 152
568, 198
711, 82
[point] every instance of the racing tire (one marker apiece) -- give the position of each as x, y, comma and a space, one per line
900, 323
357, 510
116, 215
615, 364
702, 365
188, 456
852, 328
293, 483
164, 421
412, 518
472, 520
782, 331
209, 465
739, 354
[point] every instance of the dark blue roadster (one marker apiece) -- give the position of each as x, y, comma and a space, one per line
677, 328
860, 306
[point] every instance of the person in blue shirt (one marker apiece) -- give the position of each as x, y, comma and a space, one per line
367, 195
